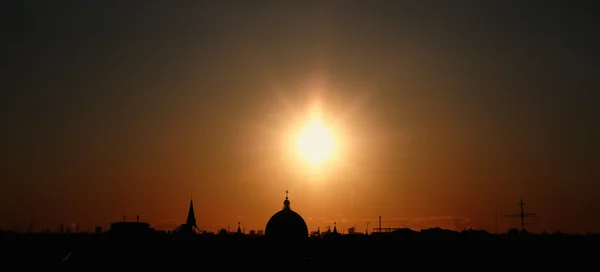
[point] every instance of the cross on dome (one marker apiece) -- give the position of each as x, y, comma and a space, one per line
286, 203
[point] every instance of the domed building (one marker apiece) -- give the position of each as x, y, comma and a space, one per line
286, 224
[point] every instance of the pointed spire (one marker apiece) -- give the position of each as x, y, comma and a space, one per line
191, 218
286, 202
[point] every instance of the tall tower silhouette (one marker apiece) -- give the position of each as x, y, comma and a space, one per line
189, 226
191, 218
521, 215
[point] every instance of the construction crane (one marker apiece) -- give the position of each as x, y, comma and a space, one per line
521, 215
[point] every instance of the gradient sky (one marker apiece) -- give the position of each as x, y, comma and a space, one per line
447, 113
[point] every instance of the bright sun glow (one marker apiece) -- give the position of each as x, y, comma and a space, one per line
315, 142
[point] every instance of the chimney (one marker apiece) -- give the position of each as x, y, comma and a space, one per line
380, 223
138, 218
124, 218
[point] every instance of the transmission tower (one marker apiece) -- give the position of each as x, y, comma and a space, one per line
521, 215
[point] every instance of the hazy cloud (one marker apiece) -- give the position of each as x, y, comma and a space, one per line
416, 223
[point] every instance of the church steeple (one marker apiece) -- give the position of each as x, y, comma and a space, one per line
286, 202
191, 218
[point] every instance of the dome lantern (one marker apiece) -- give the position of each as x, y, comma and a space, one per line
286, 202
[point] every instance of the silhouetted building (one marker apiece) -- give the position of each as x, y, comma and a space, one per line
125, 228
331, 234
352, 231
286, 224
239, 229
190, 224
316, 234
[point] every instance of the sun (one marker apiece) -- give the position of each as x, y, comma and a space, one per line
315, 142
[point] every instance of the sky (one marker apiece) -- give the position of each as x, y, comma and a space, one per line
444, 113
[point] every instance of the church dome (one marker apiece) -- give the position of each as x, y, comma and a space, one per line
286, 224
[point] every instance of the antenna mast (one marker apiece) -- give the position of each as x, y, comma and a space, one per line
521, 215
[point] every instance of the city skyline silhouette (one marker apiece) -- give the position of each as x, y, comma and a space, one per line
190, 226
285, 239
425, 114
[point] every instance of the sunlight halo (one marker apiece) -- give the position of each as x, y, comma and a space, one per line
315, 142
